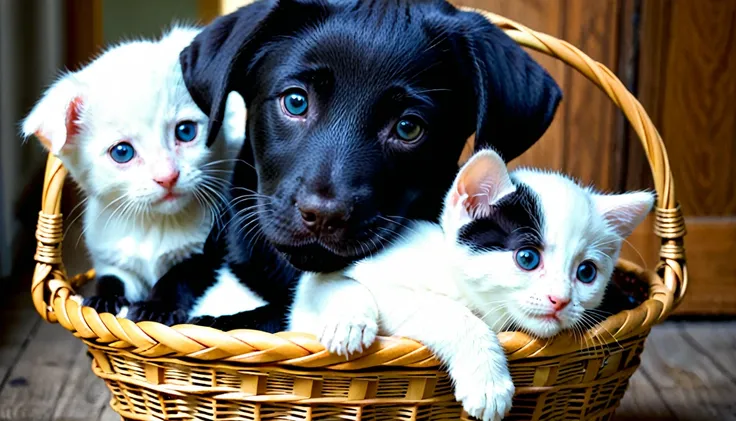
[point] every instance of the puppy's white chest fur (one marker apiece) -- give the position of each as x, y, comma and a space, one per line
142, 249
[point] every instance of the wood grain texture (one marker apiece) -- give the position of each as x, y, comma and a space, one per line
38, 378
84, 31
687, 83
697, 108
85, 396
20, 321
710, 245
592, 153
637, 402
690, 385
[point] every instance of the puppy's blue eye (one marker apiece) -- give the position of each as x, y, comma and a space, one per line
408, 129
587, 272
122, 152
186, 131
295, 103
528, 258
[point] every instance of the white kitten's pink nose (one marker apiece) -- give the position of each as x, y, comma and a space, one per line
167, 180
558, 303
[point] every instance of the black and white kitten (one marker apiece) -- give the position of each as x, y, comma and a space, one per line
533, 250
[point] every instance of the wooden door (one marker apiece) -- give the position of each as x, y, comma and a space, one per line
687, 82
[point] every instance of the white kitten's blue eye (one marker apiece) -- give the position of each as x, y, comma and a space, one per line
408, 129
587, 272
295, 103
122, 152
528, 258
186, 131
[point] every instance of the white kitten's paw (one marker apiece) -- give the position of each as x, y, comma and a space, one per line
487, 398
343, 335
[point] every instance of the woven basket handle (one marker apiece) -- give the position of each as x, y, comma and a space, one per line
50, 282
669, 224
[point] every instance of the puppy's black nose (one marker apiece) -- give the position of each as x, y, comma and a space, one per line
321, 215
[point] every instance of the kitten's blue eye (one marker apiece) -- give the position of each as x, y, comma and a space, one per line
295, 103
408, 129
587, 272
528, 258
186, 131
122, 152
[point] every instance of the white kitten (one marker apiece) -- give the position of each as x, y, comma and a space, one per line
532, 250
133, 139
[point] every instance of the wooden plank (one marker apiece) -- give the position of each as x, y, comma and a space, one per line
19, 321
642, 401
108, 415
84, 395
590, 115
711, 246
698, 106
40, 375
716, 340
691, 386
687, 84
84, 31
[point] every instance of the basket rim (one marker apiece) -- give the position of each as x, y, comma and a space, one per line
55, 300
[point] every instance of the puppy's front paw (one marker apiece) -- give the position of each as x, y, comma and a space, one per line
486, 397
106, 304
153, 311
345, 334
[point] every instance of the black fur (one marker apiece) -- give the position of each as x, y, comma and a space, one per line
364, 65
514, 222
109, 295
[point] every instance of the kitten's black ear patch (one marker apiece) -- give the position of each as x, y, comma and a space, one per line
218, 59
516, 97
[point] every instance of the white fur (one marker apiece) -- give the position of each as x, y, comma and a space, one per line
135, 92
227, 296
453, 299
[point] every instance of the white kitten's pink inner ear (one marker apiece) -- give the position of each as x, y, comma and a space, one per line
482, 182
57, 141
72, 118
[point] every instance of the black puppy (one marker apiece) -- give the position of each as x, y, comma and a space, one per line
357, 114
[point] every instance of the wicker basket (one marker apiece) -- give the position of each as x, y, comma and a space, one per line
198, 373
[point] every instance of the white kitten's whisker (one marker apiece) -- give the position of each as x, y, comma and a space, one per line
253, 220
81, 213
638, 253
233, 160
386, 218
606, 330
245, 189
246, 213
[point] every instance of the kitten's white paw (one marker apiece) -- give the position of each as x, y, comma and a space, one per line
347, 334
486, 397
123, 313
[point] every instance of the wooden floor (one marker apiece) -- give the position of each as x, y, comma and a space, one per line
688, 372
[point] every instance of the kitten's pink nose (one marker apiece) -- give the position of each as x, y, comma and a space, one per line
167, 181
558, 303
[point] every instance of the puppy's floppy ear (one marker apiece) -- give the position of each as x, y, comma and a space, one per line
516, 97
218, 59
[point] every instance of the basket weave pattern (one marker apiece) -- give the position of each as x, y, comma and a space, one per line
199, 373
